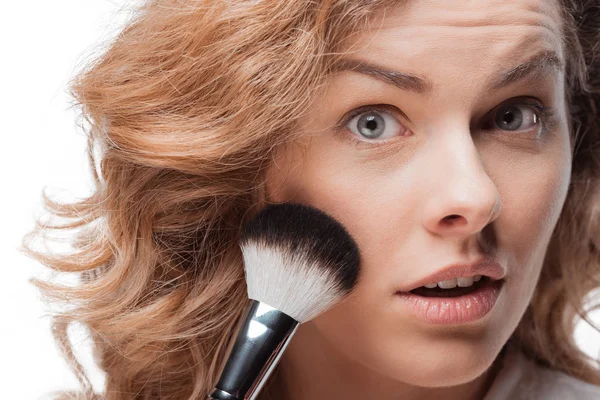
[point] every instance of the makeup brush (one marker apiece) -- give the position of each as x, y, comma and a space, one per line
298, 263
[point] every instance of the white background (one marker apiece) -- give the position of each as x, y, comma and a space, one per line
42, 44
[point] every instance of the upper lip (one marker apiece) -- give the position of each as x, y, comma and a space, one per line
487, 267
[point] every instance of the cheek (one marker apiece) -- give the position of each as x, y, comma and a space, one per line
363, 199
533, 191
332, 180
533, 196
375, 206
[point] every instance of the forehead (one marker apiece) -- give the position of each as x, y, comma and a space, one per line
473, 12
472, 36
468, 17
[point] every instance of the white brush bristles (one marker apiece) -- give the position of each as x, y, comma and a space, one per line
288, 282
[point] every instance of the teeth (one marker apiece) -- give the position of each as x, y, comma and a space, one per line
452, 283
449, 284
465, 282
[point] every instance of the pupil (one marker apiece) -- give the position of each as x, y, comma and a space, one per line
371, 126
510, 119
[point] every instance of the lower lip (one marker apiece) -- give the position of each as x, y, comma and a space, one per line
453, 310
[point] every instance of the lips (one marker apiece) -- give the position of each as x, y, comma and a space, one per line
469, 307
486, 267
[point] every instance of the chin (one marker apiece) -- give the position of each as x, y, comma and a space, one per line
441, 367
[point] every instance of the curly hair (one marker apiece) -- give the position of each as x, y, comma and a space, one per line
183, 113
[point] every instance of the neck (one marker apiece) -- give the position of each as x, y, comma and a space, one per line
312, 369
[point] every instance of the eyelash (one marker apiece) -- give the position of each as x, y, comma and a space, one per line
546, 114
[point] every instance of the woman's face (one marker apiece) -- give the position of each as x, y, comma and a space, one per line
465, 146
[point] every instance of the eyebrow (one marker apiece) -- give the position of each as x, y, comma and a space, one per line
537, 65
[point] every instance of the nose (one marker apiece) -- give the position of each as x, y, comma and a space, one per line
462, 199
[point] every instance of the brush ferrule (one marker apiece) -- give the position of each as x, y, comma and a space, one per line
261, 340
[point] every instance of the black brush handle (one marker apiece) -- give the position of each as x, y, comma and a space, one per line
261, 340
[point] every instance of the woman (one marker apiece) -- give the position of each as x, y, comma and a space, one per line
438, 132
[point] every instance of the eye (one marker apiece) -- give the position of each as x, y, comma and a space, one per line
516, 117
374, 123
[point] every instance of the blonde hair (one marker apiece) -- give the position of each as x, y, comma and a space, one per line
186, 108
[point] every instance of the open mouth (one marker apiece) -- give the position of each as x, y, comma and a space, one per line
456, 305
454, 292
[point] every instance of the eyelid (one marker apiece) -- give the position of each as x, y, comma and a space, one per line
341, 127
547, 114
384, 108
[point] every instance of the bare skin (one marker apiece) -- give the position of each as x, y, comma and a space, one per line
441, 153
